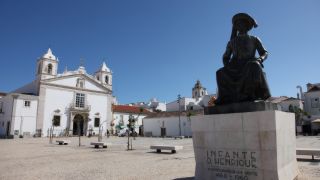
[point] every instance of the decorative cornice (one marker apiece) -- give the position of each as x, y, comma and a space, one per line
108, 92
45, 81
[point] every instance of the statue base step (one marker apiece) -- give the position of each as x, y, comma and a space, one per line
247, 146
241, 107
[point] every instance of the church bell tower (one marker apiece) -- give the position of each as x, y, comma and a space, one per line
47, 66
198, 90
104, 76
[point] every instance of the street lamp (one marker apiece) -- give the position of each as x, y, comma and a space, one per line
178, 101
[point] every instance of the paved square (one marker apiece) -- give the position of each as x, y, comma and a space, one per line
37, 159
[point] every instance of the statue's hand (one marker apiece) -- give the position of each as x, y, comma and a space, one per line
260, 61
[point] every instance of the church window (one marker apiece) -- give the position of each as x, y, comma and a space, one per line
80, 83
98, 78
49, 68
96, 122
56, 120
80, 100
106, 79
27, 103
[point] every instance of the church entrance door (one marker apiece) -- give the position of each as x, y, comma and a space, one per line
78, 125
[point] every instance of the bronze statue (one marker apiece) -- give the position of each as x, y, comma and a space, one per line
242, 78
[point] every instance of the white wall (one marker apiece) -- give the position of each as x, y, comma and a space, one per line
170, 123
72, 82
286, 103
117, 118
61, 99
307, 104
56, 99
25, 117
99, 106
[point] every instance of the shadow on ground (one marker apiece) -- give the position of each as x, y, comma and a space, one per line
185, 178
316, 161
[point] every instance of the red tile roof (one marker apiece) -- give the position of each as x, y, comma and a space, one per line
129, 109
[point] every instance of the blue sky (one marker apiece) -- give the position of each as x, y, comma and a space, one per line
157, 48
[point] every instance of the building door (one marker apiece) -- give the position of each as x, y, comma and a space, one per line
163, 132
8, 129
140, 131
78, 125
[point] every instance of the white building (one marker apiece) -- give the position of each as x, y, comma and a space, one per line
199, 100
73, 96
311, 100
168, 124
153, 105
121, 115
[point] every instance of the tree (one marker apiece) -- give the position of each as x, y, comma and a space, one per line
131, 127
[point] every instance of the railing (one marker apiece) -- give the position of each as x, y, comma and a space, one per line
84, 108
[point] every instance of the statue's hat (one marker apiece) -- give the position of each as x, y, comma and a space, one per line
244, 16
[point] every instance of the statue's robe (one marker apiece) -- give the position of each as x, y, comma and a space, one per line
242, 78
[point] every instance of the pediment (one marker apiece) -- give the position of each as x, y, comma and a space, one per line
72, 81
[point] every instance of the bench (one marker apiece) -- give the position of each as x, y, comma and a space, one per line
178, 137
63, 142
173, 149
98, 144
308, 151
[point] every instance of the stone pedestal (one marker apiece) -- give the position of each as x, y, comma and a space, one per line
245, 146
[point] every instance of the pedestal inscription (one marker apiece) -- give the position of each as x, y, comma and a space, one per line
245, 146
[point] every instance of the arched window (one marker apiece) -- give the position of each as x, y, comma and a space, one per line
80, 83
106, 79
98, 78
49, 68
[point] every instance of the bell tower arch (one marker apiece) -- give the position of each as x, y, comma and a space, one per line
47, 66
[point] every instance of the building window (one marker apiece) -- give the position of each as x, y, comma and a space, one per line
96, 122
106, 79
80, 83
80, 100
49, 68
27, 103
56, 120
98, 78
314, 102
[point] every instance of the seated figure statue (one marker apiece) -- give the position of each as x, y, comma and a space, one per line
242, 78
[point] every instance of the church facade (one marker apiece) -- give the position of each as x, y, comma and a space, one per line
71, 102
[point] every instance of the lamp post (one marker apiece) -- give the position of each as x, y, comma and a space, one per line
178, 101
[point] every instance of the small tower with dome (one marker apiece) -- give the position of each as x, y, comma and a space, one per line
198, 90
104, 75
47, 66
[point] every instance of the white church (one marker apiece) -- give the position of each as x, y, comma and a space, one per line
58, 100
